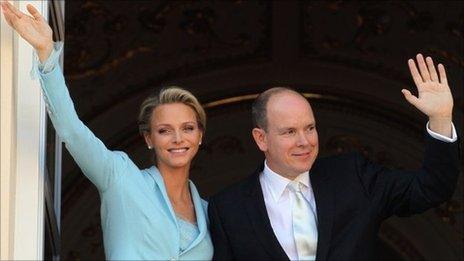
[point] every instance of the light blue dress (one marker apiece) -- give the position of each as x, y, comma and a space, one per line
137, 218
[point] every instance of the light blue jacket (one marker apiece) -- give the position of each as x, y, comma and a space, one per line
137, 218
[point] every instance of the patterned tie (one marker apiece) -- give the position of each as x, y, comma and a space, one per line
304, 224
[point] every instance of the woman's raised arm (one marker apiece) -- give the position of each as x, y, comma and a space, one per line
97, 162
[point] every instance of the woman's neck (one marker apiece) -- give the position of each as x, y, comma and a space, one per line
176, 182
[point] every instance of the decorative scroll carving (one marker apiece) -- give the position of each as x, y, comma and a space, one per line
366, 35
167, 31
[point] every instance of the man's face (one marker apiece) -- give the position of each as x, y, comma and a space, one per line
290, 142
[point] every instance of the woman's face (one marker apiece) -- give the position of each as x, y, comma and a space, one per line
175, 135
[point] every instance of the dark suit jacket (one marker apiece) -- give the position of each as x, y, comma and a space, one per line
353, 197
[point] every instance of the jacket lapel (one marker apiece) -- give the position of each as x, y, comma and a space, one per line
168, 210
325, 201
201, 217
197, 203
256, 209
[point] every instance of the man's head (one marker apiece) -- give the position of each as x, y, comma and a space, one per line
285, 130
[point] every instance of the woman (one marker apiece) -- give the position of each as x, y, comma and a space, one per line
154, 213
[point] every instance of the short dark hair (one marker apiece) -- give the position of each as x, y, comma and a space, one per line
259, 107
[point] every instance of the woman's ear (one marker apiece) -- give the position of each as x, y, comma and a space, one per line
146, 136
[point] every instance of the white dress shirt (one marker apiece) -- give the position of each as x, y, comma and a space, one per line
279, 200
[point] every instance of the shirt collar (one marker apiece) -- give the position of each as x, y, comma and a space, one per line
277, 183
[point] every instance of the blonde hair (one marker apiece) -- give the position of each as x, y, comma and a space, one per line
169, 95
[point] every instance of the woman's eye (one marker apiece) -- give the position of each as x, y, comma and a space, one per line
189, 128
163, 131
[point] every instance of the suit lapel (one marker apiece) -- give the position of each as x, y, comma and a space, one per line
257, 213
324, 197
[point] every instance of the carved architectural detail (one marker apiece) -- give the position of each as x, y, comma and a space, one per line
368, 35
164, 40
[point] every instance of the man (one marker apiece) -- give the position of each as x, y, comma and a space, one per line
297, 207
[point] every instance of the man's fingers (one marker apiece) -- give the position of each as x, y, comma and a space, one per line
415, 73
431, 67
423, 67
409, 97
34, 12
441, 71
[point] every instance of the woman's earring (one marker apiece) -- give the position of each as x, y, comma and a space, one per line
149, 147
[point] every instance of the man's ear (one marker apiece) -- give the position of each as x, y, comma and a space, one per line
260, 138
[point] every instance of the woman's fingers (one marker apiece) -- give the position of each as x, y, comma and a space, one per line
3, 6
35, 13
9, 16
8, 20
14, 10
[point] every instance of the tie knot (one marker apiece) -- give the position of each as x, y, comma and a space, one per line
294, 186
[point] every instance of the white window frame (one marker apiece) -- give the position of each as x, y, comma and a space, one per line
22, 140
